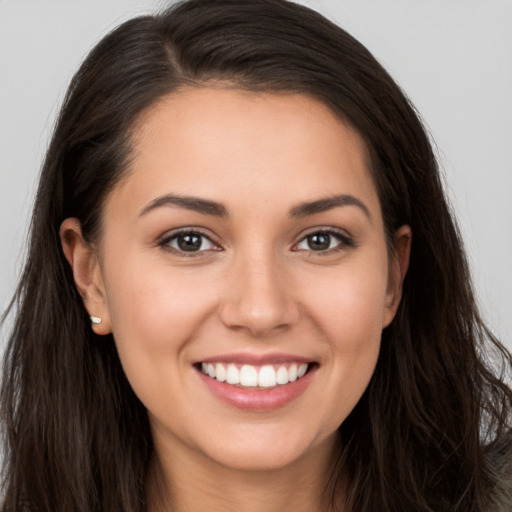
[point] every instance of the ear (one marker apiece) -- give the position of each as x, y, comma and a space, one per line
398, 265
83, 259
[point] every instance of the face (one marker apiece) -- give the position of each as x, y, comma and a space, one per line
244, 273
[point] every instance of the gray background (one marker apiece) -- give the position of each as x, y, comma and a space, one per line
452, 57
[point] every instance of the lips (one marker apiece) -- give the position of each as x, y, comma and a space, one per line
256, 383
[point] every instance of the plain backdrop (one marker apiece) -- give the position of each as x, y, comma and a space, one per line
452, 57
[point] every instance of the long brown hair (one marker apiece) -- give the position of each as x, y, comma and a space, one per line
422, 437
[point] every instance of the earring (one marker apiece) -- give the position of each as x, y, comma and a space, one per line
95, 320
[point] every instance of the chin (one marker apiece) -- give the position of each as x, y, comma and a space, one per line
262, 452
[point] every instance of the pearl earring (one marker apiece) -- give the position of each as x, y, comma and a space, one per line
95, 320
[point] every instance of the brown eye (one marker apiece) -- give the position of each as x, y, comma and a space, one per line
189, 241
319, 241
324, 241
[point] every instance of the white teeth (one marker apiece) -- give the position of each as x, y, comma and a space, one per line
248, 376
232, 375
220, 372
282, 375
267, 376
301, 371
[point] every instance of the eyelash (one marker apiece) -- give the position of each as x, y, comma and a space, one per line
166, 243
344, 242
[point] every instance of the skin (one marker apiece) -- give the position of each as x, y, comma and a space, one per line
257, 288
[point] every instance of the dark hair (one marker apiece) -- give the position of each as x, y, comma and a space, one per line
434, 415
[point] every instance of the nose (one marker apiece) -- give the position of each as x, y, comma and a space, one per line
259, 296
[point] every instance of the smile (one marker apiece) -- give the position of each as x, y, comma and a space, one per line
252, 376
257, 383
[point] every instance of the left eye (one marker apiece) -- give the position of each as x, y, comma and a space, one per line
321, 241
189, 241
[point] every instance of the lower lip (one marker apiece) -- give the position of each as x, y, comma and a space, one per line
257, 399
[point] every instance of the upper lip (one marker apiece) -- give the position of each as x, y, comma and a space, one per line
256, 359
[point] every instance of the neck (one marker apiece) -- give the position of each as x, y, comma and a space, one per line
189, 482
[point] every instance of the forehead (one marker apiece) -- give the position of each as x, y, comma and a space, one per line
228, 144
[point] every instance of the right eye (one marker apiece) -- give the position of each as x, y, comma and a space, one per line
188, 242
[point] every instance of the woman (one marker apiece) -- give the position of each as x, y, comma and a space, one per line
244, 289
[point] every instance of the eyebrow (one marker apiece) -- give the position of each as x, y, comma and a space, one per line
209, 207
204, 206
328, 203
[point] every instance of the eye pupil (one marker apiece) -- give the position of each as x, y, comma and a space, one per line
319, 241
190, 242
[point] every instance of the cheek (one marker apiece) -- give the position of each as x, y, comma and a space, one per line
155, 302
154, 314
349, 302
359, 307
350, 318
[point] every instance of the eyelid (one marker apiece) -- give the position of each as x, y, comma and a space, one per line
346, 241
166, 238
